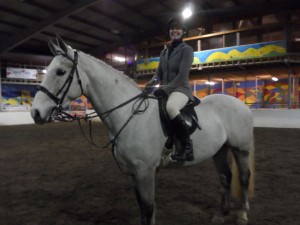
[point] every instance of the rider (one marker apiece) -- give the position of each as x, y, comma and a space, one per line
173, 74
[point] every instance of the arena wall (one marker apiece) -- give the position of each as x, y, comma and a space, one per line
278, 118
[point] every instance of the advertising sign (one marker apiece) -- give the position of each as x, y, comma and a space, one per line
21, 73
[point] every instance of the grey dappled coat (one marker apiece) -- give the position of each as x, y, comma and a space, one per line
173, 71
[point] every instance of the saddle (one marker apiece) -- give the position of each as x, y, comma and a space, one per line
188, 113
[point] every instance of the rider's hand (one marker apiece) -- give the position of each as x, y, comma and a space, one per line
152, 83
148, 85
159, 93
148, 88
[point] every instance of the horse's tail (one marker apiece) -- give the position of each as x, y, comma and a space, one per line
236, 189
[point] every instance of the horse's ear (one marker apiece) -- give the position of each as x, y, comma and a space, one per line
55, 49
62, 44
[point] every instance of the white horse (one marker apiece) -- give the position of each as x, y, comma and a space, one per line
225, 121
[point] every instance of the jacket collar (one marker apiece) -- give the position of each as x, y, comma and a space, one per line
176, 49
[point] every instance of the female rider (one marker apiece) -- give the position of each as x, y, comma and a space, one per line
173, 73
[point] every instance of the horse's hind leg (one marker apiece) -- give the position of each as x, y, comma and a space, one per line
221, 163
144, 190
242, 161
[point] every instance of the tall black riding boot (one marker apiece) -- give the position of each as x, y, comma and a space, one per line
181, 131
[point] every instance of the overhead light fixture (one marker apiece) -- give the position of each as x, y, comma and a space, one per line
274, 78
210, 83
187, 13
119, 59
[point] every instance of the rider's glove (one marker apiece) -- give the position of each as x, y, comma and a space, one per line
160, 93
152, 83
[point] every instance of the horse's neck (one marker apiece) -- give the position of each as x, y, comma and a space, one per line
108, 88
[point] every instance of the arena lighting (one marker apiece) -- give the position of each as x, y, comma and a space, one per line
120, 59
210, 83
187, 12
274, 78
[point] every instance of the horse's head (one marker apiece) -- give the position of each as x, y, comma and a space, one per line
61, 84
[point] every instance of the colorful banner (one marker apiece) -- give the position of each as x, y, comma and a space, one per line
242, 52
276, 94
78, 107
17, 97
249, 93
255, 94
21, 73
246, 91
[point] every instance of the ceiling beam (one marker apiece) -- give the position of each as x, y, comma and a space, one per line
124, 42
26, 34
253, 10
137, 11
96, 25
114, 18
69, 39
168, 8
17, 13
75, 18
40, 5
81, 32
72, 17
122, 22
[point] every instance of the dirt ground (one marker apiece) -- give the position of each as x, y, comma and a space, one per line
49, 175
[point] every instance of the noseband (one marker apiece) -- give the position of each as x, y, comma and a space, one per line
65, 88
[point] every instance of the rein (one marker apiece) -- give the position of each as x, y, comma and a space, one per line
60, 115
140, 99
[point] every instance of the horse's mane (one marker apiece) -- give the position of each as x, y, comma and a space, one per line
118, 72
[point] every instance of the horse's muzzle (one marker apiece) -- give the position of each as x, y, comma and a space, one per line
38, 119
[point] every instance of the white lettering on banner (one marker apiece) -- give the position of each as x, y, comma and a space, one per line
21, 73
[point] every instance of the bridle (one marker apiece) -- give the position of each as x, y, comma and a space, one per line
58, 111
59, 114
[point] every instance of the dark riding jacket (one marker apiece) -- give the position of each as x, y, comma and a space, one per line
173, 71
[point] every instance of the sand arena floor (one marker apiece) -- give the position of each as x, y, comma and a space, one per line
51, 176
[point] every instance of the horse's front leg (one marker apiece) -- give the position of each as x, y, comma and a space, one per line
144, 189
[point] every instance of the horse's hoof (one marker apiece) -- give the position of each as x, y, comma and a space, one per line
217, 220
166, 160
242, 218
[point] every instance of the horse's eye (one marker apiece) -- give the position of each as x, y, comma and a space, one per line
60, 72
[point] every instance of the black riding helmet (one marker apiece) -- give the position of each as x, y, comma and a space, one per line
177, 22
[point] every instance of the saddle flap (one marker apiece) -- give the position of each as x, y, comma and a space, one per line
188, 113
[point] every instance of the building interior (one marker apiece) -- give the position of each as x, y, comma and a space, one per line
251, 47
